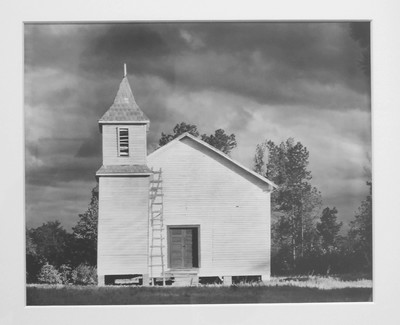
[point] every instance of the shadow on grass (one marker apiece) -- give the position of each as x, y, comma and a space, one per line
78, 295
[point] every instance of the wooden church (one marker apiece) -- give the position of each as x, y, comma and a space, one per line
182, 213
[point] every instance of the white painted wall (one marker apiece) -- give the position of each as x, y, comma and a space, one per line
123, 225
231, 206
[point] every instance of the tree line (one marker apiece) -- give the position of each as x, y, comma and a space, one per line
56, 256
306, 238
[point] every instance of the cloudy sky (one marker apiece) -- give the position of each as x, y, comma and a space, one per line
257, 80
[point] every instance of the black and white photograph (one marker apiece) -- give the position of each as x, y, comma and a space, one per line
198, 162
195, 162
198, 156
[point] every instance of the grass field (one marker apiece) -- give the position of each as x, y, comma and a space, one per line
276, 291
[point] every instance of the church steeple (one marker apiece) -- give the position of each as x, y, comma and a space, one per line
124, 109
124, 127
124, 180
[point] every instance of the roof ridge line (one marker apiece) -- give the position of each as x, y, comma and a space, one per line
219, 152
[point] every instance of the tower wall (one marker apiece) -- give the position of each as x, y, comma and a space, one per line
123, 225
137, 145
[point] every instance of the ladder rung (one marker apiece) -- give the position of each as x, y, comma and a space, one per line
156, 181
156, 265
156, 172
157, 246
156, 194
156, 256
156, 203
157, 229
158, 238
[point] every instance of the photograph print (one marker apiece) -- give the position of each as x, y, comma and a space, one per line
198, 162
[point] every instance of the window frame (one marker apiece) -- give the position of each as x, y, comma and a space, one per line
123, 152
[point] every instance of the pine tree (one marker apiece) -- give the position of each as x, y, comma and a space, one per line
360, 233
328, 229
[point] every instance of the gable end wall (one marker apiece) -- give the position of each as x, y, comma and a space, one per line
202, 188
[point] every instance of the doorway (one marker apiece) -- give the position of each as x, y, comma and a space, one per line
183, 247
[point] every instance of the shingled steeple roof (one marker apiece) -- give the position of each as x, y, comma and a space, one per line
124, 109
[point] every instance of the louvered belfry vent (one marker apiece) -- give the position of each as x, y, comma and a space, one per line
156, 229
123, 140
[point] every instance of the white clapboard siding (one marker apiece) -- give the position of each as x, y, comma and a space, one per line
123, 225
231, 206
137, 145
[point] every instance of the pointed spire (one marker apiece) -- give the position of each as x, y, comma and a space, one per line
125, 73
124, 109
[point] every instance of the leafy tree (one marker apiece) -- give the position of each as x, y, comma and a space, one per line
178, 130
360, 233
220, 140
84, 274
328, 229
85, 233
49, 274
295, 204
65, 273
34, 261
51, 243
86, 227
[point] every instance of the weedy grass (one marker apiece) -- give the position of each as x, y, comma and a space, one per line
322, 283
278, 290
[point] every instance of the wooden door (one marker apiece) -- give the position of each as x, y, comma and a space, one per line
181, 248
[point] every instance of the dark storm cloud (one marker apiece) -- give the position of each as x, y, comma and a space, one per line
55, 45
295, 57
228, 57
91, 147
146, 49
62, 170
361, 32
296, 53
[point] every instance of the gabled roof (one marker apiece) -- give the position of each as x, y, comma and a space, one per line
124, 109
220, 153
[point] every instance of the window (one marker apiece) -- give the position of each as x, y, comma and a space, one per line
123, 142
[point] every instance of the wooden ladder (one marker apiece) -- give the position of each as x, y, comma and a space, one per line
156, 225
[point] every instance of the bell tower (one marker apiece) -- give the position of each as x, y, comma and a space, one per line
122, 247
